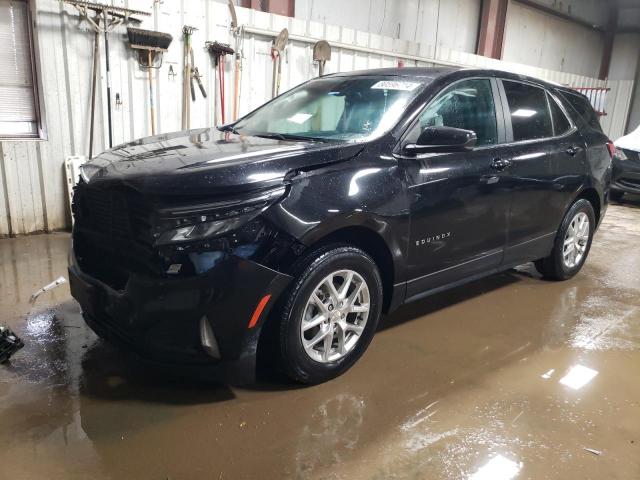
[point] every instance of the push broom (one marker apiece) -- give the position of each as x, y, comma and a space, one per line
150, 46
218, 52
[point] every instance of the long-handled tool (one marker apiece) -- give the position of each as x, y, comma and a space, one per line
186, 75
195, 75
94, 75
278, 46
218, 52
238, 34
106, 19
150, 46
321, 54
190, 74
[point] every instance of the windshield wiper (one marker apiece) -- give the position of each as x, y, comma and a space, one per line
228, 128
288, 136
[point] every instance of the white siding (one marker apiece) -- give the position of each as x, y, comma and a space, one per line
447, 23
32, 186
546, 41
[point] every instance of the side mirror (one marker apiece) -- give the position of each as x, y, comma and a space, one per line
442, 139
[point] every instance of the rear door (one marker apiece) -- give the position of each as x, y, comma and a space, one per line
539, 182
568, 161
459, 202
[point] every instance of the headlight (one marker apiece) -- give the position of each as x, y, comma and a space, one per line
197, 222
201, 230
619, 154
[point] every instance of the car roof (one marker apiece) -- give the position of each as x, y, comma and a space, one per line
419, 73
409, 72
433, 73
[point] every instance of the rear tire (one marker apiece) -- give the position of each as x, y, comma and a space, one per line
572, 243
329, 314
616, 195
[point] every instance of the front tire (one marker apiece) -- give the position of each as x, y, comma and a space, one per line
572, 243
330, 314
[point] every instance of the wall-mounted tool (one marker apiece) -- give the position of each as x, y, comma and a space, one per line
321, 54
190, 74
278, 46
218, 52
238, 34
150, 46
195, 75
187, 32
106, 19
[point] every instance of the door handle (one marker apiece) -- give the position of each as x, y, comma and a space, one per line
500, 164
572, 150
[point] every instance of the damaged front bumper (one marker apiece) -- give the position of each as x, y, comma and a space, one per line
205, 324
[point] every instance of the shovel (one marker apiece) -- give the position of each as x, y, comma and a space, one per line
321, 53
276, 53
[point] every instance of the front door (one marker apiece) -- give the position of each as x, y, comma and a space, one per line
459, 201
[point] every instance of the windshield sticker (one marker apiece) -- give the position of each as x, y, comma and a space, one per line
300, 118
396, 85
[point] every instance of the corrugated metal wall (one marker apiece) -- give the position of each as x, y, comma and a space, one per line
543, 40
32, 186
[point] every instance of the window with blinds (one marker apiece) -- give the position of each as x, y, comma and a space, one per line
18, 102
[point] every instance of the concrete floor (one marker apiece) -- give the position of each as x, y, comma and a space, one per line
485, 381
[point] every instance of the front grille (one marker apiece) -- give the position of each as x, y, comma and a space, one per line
106, 211
116, 213
112, 233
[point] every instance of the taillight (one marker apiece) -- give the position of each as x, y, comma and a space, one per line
611, 147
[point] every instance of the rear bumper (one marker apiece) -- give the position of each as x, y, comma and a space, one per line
159, 319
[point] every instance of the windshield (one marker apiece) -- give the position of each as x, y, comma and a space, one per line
334, 108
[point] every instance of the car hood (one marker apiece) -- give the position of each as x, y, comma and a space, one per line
631, 141
210, 161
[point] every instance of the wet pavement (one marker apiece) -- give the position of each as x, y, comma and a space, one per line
507, 377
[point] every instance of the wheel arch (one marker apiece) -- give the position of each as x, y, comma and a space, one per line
592, 196
373, 244
359, 236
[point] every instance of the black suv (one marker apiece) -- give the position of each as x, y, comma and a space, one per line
291, 230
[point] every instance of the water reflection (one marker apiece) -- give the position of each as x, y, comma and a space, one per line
498, 468
330, 435
578, 376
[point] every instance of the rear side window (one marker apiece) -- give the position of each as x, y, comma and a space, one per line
560, 123
582, 111
530, 117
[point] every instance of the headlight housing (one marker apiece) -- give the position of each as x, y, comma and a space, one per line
619, 154
198, 222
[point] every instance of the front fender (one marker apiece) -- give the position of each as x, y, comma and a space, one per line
358, 193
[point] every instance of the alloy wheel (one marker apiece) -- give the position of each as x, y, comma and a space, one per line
335, 316
575, 240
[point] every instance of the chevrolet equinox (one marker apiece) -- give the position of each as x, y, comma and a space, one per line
294, 228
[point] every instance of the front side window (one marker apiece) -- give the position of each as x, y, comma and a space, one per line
530, 116
19, 107
335, 108
468, 105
